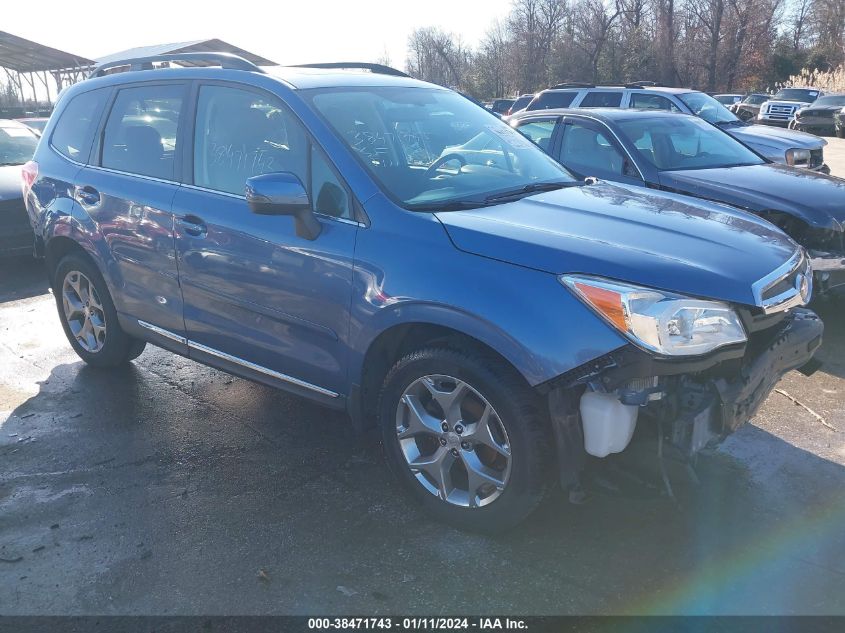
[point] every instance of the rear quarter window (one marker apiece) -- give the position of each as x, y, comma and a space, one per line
602, 99
549, 100
74, 132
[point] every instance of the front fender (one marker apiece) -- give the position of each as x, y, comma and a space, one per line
416, 275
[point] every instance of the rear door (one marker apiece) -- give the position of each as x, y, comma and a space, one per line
128, 191
257, 295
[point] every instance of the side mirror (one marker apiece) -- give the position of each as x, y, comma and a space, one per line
282, 193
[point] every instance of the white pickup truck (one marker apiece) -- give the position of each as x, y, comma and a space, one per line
780, 109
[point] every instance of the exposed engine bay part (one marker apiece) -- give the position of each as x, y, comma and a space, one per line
608, 424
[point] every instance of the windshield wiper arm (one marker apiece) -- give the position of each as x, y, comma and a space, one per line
451, 205
535, 187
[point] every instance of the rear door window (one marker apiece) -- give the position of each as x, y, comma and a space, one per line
141, 132
74, 132
601, 99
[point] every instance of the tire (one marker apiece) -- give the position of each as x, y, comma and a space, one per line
840, 132
79, 287
519, 430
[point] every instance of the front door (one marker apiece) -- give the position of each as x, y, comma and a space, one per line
256, 294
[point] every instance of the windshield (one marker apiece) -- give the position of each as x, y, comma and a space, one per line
727, 99
707, 107
756, 99
17, 145
429, 146
832, 100
797, 94
683, 142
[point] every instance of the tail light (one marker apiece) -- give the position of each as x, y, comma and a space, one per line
29, 172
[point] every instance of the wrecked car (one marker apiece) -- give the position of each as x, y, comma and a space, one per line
682, 154
494, 317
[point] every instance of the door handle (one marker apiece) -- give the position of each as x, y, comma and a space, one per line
87, 195
193, 225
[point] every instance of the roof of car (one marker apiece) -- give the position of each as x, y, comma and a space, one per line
295, 76
305, 78
666, 89
600, 114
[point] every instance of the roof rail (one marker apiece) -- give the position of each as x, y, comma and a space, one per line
224, 60
572, 84
641, 84
379, 69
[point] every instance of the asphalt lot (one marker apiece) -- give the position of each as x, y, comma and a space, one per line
171, 488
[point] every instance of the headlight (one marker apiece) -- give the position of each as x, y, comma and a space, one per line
660, 322
797, 157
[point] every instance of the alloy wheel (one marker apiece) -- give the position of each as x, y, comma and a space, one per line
84, 311
453, 441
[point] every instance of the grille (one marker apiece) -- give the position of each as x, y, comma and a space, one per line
786, 290
786, 110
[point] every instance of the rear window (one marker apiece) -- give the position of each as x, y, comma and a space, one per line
74, 131
140, 134
547, 100
602, 99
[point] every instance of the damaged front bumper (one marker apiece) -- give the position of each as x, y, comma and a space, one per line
720, 405
828, 271
696, 402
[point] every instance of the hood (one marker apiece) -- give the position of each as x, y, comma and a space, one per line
649, 238
773, 141
826, 111
10, 182
815, 198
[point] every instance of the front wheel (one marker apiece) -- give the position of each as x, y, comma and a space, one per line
467, 437
88, 315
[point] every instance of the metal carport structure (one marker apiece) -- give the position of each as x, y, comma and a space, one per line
30, 62
194, 46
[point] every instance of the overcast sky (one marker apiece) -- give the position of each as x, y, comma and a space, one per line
287, 32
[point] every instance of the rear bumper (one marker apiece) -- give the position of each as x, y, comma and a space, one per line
16, 240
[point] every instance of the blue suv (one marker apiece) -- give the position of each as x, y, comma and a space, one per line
388, 248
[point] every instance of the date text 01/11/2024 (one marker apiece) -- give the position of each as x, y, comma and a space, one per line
417, 624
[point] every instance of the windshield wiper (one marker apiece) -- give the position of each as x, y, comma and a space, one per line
451, 205
726, 123
534, 187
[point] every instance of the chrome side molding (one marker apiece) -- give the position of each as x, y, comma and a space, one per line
238, 361
162, 332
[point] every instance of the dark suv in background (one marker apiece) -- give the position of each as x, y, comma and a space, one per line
385, 247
